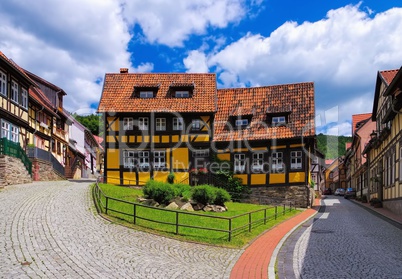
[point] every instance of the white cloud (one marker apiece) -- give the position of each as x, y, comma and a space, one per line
340, 53
71, 44
196, 62
172, 22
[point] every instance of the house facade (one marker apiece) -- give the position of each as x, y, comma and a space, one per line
14, 117
355, 159
156, 124
384, 150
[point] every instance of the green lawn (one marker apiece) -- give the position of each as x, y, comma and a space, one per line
240, 236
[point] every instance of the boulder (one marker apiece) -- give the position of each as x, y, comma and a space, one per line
172, 205
214, 208
187, 207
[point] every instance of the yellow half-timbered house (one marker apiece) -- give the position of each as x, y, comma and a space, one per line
156, 124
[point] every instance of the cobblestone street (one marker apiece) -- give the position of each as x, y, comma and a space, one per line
49, 230
343, 241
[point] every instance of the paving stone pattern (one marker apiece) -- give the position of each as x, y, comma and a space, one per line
49, 230
346, 241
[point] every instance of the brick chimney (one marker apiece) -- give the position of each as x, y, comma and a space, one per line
123, 70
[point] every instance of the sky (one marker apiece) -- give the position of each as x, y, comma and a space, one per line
339, 45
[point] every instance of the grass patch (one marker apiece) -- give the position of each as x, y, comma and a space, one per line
123, 213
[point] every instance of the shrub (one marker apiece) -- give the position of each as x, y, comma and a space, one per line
222, 196
170, 178
364, 198
204, 194
160, 192
182, 190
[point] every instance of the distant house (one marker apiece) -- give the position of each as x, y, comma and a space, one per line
384, 150
156, 124
355, 159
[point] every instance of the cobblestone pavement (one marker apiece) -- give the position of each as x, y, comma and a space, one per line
49, 230
344, 241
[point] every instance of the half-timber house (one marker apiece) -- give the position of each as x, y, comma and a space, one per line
161, 123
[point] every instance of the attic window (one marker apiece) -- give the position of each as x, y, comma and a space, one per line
146, 94
145, 91
241, 122
278, 120
181, 90
182, 94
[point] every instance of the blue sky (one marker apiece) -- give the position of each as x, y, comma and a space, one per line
339, 45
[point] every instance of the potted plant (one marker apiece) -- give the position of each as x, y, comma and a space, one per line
375, 202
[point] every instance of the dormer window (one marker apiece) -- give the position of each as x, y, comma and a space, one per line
182, 94
241, 122
278, 120
146, 94
145, 91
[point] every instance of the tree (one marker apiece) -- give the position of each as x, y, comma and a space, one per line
92, 122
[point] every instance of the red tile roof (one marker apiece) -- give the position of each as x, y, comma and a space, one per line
388, 75
357, 118
118, 89
296, 99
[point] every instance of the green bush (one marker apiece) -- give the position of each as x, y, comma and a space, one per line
204, 194
160, 192
182, 190
170, 178
222, 196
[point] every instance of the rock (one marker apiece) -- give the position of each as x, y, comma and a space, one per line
187, 207
197, 206
214, 208
172, 205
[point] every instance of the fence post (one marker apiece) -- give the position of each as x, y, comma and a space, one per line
135, 214
276, 211
177, 222
284, 208
230, 229
107, 201
249, 222
265, 216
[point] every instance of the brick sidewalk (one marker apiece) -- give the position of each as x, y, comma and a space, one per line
254, 261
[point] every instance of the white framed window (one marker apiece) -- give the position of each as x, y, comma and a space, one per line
24, 98
3, 84
143, 158
202, 153
277, 161
146, 94
128, 123
159, 159
14, 91
239, 162
178, 123
278, 120
14, 134
182, 94
258, 162
160, 124
5, 129
241, 122
143, 123
196, 124
129, 159
296, 160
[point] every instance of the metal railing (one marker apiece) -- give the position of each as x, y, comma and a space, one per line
14, 149
38, 153
103, 204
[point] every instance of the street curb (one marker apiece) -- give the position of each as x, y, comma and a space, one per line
272, 262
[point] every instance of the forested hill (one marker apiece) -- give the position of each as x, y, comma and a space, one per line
332, 146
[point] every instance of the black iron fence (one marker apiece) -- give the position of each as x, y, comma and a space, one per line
38, 153
235, 224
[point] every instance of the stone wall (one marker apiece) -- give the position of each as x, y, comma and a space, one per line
275, 195
13, 171
395, 206
43, 171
